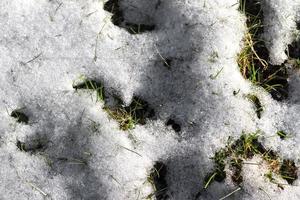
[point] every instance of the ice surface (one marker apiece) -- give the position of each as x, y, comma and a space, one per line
45, 45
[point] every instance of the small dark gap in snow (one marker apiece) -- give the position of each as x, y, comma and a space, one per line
157, 177
33, 144
293, 50
118, 19
20, 116
175, 126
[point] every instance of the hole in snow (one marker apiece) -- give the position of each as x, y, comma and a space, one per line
20, 116
175, 126
157, 178
32, 145
118, 18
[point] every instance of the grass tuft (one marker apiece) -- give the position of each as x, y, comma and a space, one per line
244, 148
288, 171
85, 83
129, 116
254, 56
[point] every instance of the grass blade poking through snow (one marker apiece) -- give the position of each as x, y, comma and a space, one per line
253, 60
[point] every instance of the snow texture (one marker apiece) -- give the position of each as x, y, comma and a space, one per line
46, 45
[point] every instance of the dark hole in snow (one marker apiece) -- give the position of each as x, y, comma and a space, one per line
175, 126
141, 110
20, 116
298, 25
288, 171
31, 146
138, 28
113, 6
158, 179
294, 50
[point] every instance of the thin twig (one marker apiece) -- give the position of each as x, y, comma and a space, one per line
131, 151
165, 61
34, 58
37, 188
231, 193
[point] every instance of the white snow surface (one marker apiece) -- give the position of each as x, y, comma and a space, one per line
45, 45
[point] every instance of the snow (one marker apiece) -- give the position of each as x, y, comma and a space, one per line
46, 45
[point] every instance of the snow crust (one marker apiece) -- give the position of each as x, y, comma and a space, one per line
45, 45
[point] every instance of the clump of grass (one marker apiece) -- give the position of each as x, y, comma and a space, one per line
125, 119
85, 83
257, 104
20, 116
254, 56
157, 179
218, 173
288, 171
244, 148
129, 116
